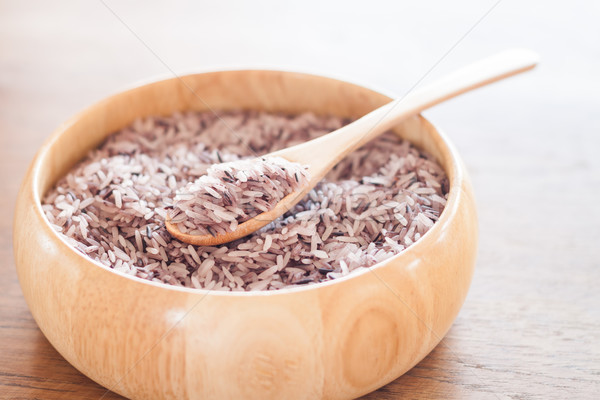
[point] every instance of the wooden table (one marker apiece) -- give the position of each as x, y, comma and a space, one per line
530, 327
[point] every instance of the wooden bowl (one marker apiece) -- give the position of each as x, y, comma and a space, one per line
339, 339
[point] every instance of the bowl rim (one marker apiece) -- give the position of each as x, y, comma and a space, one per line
454, 191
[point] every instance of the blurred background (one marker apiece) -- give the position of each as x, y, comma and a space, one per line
529, 327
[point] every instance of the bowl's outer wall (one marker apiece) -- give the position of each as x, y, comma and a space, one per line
335, 340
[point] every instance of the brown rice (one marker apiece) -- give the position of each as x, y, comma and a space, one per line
372, 205
233, 192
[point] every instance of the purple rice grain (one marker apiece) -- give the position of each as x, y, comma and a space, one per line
112, 205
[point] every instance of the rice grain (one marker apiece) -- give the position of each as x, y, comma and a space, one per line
112, 206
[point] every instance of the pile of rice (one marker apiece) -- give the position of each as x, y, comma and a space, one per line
112, 206
232, 193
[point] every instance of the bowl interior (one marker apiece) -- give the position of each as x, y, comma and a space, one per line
271, 91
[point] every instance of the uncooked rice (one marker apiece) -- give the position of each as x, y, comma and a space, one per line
371, 206
233, 192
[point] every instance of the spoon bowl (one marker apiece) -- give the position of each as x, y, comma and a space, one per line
245, 228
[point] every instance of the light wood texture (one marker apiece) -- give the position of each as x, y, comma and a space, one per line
337, 340
529, 326
320, 155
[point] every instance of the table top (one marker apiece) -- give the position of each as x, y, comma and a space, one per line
530, 325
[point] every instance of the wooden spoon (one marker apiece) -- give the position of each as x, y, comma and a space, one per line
323, 153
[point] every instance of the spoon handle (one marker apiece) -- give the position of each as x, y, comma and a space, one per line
324, 152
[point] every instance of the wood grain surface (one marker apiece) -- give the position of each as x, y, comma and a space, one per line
530, 327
